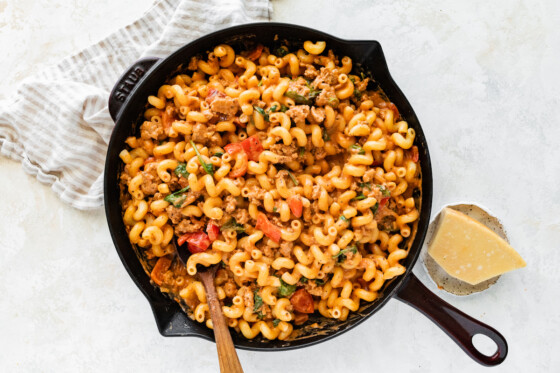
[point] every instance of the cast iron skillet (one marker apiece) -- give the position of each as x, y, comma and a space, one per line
126, 105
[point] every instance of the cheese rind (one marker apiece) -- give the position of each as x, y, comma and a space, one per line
470, 251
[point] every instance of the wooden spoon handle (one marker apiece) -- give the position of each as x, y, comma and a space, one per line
229, 362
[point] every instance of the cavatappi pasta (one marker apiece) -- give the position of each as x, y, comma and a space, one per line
282, 168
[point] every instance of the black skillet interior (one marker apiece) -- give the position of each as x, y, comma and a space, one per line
367, 56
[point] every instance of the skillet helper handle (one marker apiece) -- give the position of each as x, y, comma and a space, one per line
456, 324
229, 362
127, 82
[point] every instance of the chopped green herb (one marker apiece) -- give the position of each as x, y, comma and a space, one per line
319, 282
357, 94
181, 170
208, 167
326, 136
275, 209
294, 180
218, 154
283, 108
273, 108
301, 152
357, 147
222, 264
359, 197
260, 83
303, 280
352, 79
257, 300
375, 208
262, 112
286, 290
233, 225
384, 191
362, 75
276, 322
344, 218
365, 185
341, 256
313, 93
333, 100
282, 51
298, 99
177, 198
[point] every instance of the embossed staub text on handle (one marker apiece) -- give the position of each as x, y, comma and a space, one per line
126, 84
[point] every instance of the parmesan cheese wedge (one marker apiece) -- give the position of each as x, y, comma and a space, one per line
469, 251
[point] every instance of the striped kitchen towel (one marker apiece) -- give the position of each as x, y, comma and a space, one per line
58, 123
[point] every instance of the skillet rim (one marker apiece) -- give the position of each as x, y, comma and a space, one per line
166, 320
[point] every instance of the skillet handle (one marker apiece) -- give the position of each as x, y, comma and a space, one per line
127, 82
456, 324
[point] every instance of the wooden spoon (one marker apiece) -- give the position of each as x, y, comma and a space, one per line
229, 362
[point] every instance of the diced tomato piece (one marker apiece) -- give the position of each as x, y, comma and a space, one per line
296, 205
233, 148
396, 113
300, 318
383, 201
269, 229
213, 93
162, 266
241, 165
213, 231
256, 53
415, 154
253, 147
302, 301
198, 242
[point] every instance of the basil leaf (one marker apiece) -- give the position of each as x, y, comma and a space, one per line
343, 218
233, 225
384, 191
334, 101
326, 136
301, 152
303, 280
283, 108
275, 209
286, 290
208, 167
295, 181
357, 147
177, 198
181, 170
260, 83
352, 79
341, 256
359, 198
273, 108
319, 282
365, 185
357, 94
375, 208
281, 52
298, 99
218, 154
276, 322
258, 302
261, 111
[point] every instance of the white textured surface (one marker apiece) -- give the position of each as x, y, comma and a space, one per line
483, 78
